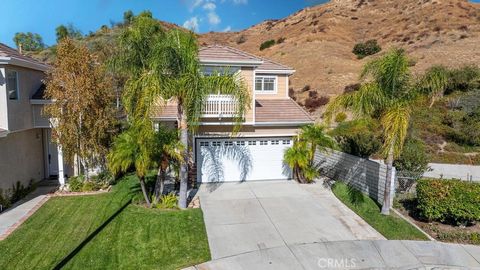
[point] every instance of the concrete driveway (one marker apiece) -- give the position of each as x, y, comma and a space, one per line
251, 216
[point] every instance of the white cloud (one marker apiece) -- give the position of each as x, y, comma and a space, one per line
192, 24
193, 4
240, 2
227, 29
210, 6
213, 18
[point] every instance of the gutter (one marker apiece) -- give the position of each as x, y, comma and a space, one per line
23, 63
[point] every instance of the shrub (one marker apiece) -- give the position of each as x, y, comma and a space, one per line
267, 44
75, 183
281, 40
241, 39
470, 128
358, 137
340, 117
413, 158
291, 92
89, 186
450, 201
306, 88
313, 103
169, 201
365, 49
351, 88
466, 78
313, 94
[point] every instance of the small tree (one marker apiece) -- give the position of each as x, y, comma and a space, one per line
300, 157
267, 44
29, 41
83, 104
70, 31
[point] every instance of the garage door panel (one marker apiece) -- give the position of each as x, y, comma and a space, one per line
220, 160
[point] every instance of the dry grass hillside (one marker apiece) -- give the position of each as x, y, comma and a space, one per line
319, 40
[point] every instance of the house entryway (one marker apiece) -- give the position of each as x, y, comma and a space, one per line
241, 159
51, 155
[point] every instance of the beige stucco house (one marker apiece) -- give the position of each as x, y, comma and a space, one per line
256, 152
27, 152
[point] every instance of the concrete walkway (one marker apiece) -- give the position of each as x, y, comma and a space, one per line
13, 217
253, 216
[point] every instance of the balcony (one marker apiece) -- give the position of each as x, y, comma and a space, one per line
219, 106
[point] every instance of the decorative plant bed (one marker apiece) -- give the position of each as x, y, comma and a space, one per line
407, 205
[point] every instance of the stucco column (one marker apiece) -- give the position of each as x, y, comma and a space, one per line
61, 174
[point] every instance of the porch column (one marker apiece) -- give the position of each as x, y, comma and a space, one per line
61, 174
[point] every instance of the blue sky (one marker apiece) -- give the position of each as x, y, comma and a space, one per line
43, 16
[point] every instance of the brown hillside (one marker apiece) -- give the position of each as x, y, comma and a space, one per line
319, 40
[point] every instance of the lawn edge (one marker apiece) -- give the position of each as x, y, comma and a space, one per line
413, 224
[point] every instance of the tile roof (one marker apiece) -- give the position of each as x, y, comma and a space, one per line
225, 54
6, 51
280, 110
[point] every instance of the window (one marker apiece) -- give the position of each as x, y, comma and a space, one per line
242, 143
12, 85
204, 143
263, 142
275, 142
286, 142
265, 84
228, 143
252, 143
216, 143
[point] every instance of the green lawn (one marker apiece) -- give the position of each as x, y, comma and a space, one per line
136, 238
392, 227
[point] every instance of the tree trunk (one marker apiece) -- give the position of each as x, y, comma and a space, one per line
388, 182
182, 123
160, 183
144, 191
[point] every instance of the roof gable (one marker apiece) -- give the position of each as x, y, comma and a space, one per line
11, 56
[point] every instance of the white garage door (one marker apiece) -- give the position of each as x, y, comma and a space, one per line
241, 159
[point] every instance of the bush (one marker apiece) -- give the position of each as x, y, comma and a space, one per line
169, 201
413, 158
75, 183
358, 137
267, 44
466, 78
306, 88
370, 47
313, 103
340, 117
351, 88
281, 40
450, 201
241, 39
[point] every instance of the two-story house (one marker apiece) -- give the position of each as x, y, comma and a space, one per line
256, 152
27, 152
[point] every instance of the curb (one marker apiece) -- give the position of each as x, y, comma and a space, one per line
413, 224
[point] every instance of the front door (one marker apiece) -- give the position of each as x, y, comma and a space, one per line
52, 155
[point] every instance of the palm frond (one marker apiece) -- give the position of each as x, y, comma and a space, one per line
395, 122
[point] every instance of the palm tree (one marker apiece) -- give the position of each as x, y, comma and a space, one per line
300, 157
132, 148
165, 66
434, 82
388, 93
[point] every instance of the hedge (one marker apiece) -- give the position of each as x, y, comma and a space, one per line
450, 201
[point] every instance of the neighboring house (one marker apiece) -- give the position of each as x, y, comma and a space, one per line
256, 152
27, 152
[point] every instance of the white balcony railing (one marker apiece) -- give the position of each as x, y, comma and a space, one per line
220, 106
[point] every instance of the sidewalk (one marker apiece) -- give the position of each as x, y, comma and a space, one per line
360, 254
14, 216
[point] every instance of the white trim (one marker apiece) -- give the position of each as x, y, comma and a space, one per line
22, 63
258, 124
212, 136
41, 101
263, 92
279, 71
254, 97
287, 95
